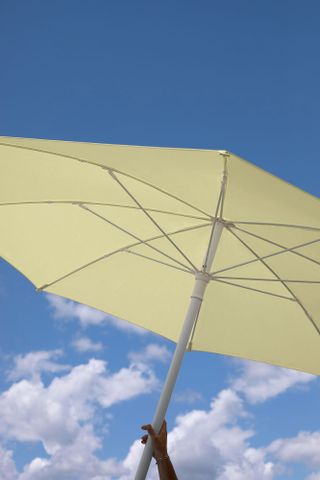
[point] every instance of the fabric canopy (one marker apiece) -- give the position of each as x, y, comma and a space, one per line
124, 228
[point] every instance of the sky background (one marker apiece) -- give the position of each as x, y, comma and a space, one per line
76, 384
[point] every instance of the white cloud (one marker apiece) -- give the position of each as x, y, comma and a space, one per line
251, 467
34, 363
62, 414
207, 444
151, 352
304, 448
7, 467
74, 462
35, 467
314, 476
125, 384
68, 310
187, 396
259, 381
55, 415
220, 446
85, 344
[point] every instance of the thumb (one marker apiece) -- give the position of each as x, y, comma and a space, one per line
149, 429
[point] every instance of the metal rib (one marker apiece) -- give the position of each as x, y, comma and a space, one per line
112, 174
82, 267
158, 261
254, 289
304, 227
84, 207
104, 167
104, 204
224, 182
216, 214
265, 279
279, 278
276, 244
264, 257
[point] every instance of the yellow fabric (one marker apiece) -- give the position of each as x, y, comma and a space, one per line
75, 220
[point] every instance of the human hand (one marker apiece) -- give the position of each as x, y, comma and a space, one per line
159, 441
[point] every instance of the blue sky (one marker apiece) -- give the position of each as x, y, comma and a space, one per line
235, 75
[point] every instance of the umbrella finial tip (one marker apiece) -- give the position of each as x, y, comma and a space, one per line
224, 153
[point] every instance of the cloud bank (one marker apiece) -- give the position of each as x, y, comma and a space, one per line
206, 444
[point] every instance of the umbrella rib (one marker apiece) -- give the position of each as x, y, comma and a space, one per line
104, 167
158, 189
276, 244
122, 249
289, 225
279, 278
84, 207
254, 289
265, 256
215, 218
158, 261
224, 182
112, 174
265, 279
77, 202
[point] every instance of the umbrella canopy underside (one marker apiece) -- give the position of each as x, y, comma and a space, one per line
124, 229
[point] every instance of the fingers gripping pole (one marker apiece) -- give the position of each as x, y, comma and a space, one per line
202, 279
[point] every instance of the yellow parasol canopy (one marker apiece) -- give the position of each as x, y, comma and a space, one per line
124, 229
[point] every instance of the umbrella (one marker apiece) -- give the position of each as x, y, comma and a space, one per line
150, 235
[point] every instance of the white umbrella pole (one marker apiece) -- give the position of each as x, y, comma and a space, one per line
201, 282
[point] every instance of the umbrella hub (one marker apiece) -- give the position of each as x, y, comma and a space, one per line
202, 279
